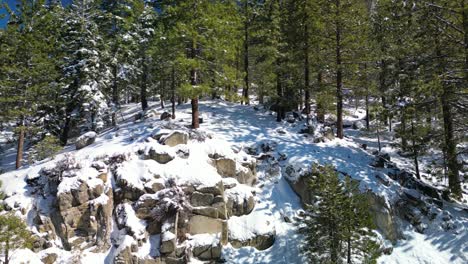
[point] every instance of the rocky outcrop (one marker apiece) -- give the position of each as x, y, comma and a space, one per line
85, 140
383, 216
85, 222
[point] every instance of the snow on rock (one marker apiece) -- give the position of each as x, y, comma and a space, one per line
256, 230
205, 246
240, 200
135, 173
85, 140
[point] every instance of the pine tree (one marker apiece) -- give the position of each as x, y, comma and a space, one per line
28, 76
84, 77
13, 234
205, 32
345, 24
337, 225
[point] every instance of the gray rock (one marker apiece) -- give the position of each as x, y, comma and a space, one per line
85, 140
49, 258
175, 138
207, 252
165, 116
225, 167
206, 211
160, 156
199, 224
217, 189
201, 199
260, 242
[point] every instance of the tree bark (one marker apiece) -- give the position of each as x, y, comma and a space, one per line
19, 153
404, 142
245, 93
195, 114
194, 82
367, 109
173, 98
115, 96
451, 146
464, 7
7, 251
279, 92
415, 152
339, 75
306, 68
143, 86
450, 141
163, 87
320, 106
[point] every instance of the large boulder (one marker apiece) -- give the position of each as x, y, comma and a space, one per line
255, 230
175, 138
240, 200
161, 155
200, 224
201, 199
229, 168
205, 246
226, 167
85, 140
383, 215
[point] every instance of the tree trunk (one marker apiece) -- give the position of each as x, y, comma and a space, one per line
19, 153
464, 7
65, 131
279, 92
378, 137
367, 109
245, 93
339, 75
7, 251
451, 145
195, 114
450, 141
115, 96
383, 88
194, 82
349, 249
404, 142
143, 86
163, 88
320, 106
173, 97
306, 69
415, 152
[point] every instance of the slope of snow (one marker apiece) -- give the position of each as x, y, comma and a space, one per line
238, 127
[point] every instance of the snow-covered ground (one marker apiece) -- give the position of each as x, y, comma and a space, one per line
242, 126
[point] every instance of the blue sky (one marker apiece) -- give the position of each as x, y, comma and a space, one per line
12, 4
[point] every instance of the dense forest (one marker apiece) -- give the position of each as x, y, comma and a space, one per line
69, 68
65, 70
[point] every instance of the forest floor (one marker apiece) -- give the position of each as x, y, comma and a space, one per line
242, 126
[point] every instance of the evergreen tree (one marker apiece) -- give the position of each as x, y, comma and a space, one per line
337, 223
84, 77
205, 32
27, 85
13, 235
